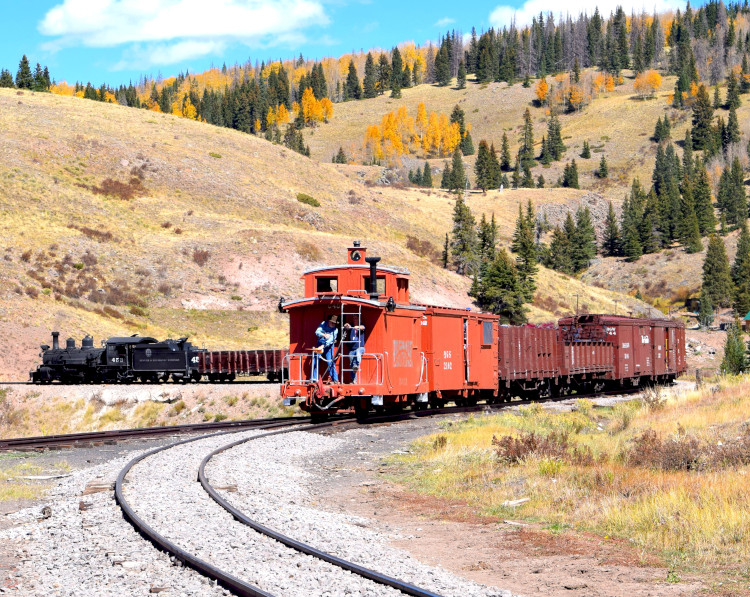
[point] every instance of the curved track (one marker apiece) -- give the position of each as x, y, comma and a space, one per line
228, 580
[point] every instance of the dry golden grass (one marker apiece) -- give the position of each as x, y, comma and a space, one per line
697, 519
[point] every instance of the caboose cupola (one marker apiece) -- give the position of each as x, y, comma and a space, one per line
356, 254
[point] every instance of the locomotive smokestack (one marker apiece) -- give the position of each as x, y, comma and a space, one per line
373, 261
55, 340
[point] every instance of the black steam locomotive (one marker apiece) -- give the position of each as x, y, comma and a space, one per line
120, 359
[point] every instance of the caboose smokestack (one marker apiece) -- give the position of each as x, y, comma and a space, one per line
55, 340
373, 261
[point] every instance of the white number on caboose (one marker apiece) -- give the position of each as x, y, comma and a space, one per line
644, 339
610, 331
447, 365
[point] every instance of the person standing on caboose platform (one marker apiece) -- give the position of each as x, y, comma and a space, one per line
357, 347
326, 335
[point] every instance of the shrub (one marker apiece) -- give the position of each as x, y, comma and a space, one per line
32, 292
164, 288
178, 407
219, 417
236, 297
200, 256
307, 199
89, 259
214, 155
137, 311
78, 265
166, 224
119, 190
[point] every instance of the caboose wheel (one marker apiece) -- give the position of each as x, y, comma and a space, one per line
318, 417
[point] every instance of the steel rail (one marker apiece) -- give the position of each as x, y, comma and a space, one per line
238, 515
67, 439
234, 584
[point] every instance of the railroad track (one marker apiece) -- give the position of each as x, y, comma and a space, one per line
227, 579
68, 440
268, 429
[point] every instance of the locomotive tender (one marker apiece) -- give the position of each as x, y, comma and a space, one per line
419, 355
145, 359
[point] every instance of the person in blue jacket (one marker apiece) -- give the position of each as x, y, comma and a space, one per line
356, 347
326, 335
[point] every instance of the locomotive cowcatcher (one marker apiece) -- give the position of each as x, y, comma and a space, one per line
413, 354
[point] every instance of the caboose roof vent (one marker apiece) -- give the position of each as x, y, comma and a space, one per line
356, 253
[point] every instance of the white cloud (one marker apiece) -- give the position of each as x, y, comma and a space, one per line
444, 21
504, 14
169, 31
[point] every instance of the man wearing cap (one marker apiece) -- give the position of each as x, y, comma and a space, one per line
326, 333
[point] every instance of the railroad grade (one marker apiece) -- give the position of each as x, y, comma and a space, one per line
101, 549
197, 530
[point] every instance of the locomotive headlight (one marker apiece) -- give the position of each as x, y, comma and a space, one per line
296, 393
361, 390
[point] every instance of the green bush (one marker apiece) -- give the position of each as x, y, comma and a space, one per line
307, 199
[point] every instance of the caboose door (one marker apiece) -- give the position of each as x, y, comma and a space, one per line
467, 356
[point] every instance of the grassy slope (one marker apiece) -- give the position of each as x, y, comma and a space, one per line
695, 518
240, 207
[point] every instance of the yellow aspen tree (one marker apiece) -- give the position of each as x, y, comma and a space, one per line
576, 97
542, 90
270, 117
282, 115
188, 109
421, 123
433, 133
653, 79
609, 82
295, 110
327, 107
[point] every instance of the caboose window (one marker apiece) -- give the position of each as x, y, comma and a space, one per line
326, 284
380, 284
487, 332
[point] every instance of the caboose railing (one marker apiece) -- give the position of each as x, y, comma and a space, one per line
300, 365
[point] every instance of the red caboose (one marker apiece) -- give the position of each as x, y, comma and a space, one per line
411, 354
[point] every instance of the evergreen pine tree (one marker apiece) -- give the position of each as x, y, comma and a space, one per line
516, 178
583, 241
716, 277
525, 247
487, 234
717, 98
500, 290
687, 155
704, 210
445, 181
371, 77
703, 115
505, 154
340, 157
526, 151
734, 361
555, 145
706, 310
482, 167
384, 73
353, 88
6, 79
24, 78
745, 76
458, 175
397, 68
442, 67
612, 242
689, 232
603, 171
570, 175
461, 75
586, 152
540, 182
740, 273
427, 176
733, 127
446, 252
733, 91
464, 245
494, 171
527, 180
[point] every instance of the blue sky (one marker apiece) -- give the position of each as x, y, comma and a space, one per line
118, 40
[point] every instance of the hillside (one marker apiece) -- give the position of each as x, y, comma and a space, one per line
119, 221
